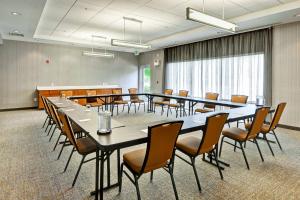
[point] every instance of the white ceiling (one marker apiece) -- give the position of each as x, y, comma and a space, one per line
164, 23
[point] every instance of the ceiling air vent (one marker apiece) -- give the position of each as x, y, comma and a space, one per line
16, 33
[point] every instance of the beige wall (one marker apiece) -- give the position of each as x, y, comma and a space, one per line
286, 71
156, 72
23, 66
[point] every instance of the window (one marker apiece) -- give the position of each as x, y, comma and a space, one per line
226, 76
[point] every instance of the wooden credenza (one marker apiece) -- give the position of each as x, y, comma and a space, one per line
76, 90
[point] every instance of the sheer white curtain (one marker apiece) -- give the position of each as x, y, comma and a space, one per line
226, 76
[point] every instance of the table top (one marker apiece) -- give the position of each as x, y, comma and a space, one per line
128, 135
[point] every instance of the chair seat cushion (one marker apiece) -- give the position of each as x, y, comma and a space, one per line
136, 101
86, 145
120, 102
203, 110
135, 159
189, 145
96, 104
235, 133
162, 102
264, 129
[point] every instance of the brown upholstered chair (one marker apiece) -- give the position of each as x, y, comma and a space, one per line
84, 146
159, 153
241, 136
94, 102
134, 99
207, 106
51, 121
270, 128
193, 146
118, 100
66, 93
48, 119
76, 129
180, 104
164, 101
239, 99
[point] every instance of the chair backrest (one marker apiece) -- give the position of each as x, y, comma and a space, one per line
167, 92
277, 115
213, 129
67, 128
45, 105
239, 98
91, 93
51, 106
160, 146
258, 121
133, 92
67, 93
211, 96
56, 117
117, 98
182, 93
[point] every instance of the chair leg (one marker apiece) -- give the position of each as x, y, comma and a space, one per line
266, 139
52, 133
135, 107
120, 178
151, 176
195, 172
45, 121
136, 183
234, 146
57, 142
74, 181
162, 110
241, 145
123, 107
168, 110
144, 107
129, 107
173, 182
62, 147
277, 140
50, 129
139, 106
261, 156
222, 140
217, 161
176, 112
69, 159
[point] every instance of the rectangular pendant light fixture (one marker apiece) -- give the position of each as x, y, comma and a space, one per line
98, 54
129, 44
195, 15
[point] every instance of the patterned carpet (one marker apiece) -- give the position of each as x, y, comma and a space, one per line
29, 169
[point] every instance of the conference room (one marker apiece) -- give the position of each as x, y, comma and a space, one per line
149, 99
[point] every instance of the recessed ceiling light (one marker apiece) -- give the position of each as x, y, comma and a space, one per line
15, 13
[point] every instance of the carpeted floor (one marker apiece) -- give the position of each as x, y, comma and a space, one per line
29, 169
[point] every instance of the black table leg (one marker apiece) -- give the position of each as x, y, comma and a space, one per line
108, 168
97, 175
101, 174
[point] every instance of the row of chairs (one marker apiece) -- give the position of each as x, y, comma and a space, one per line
162, 143
115, 102
180, 104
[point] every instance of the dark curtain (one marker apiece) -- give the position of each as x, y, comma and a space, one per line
253, 42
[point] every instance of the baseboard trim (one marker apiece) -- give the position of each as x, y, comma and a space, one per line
295, 128
15, 109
